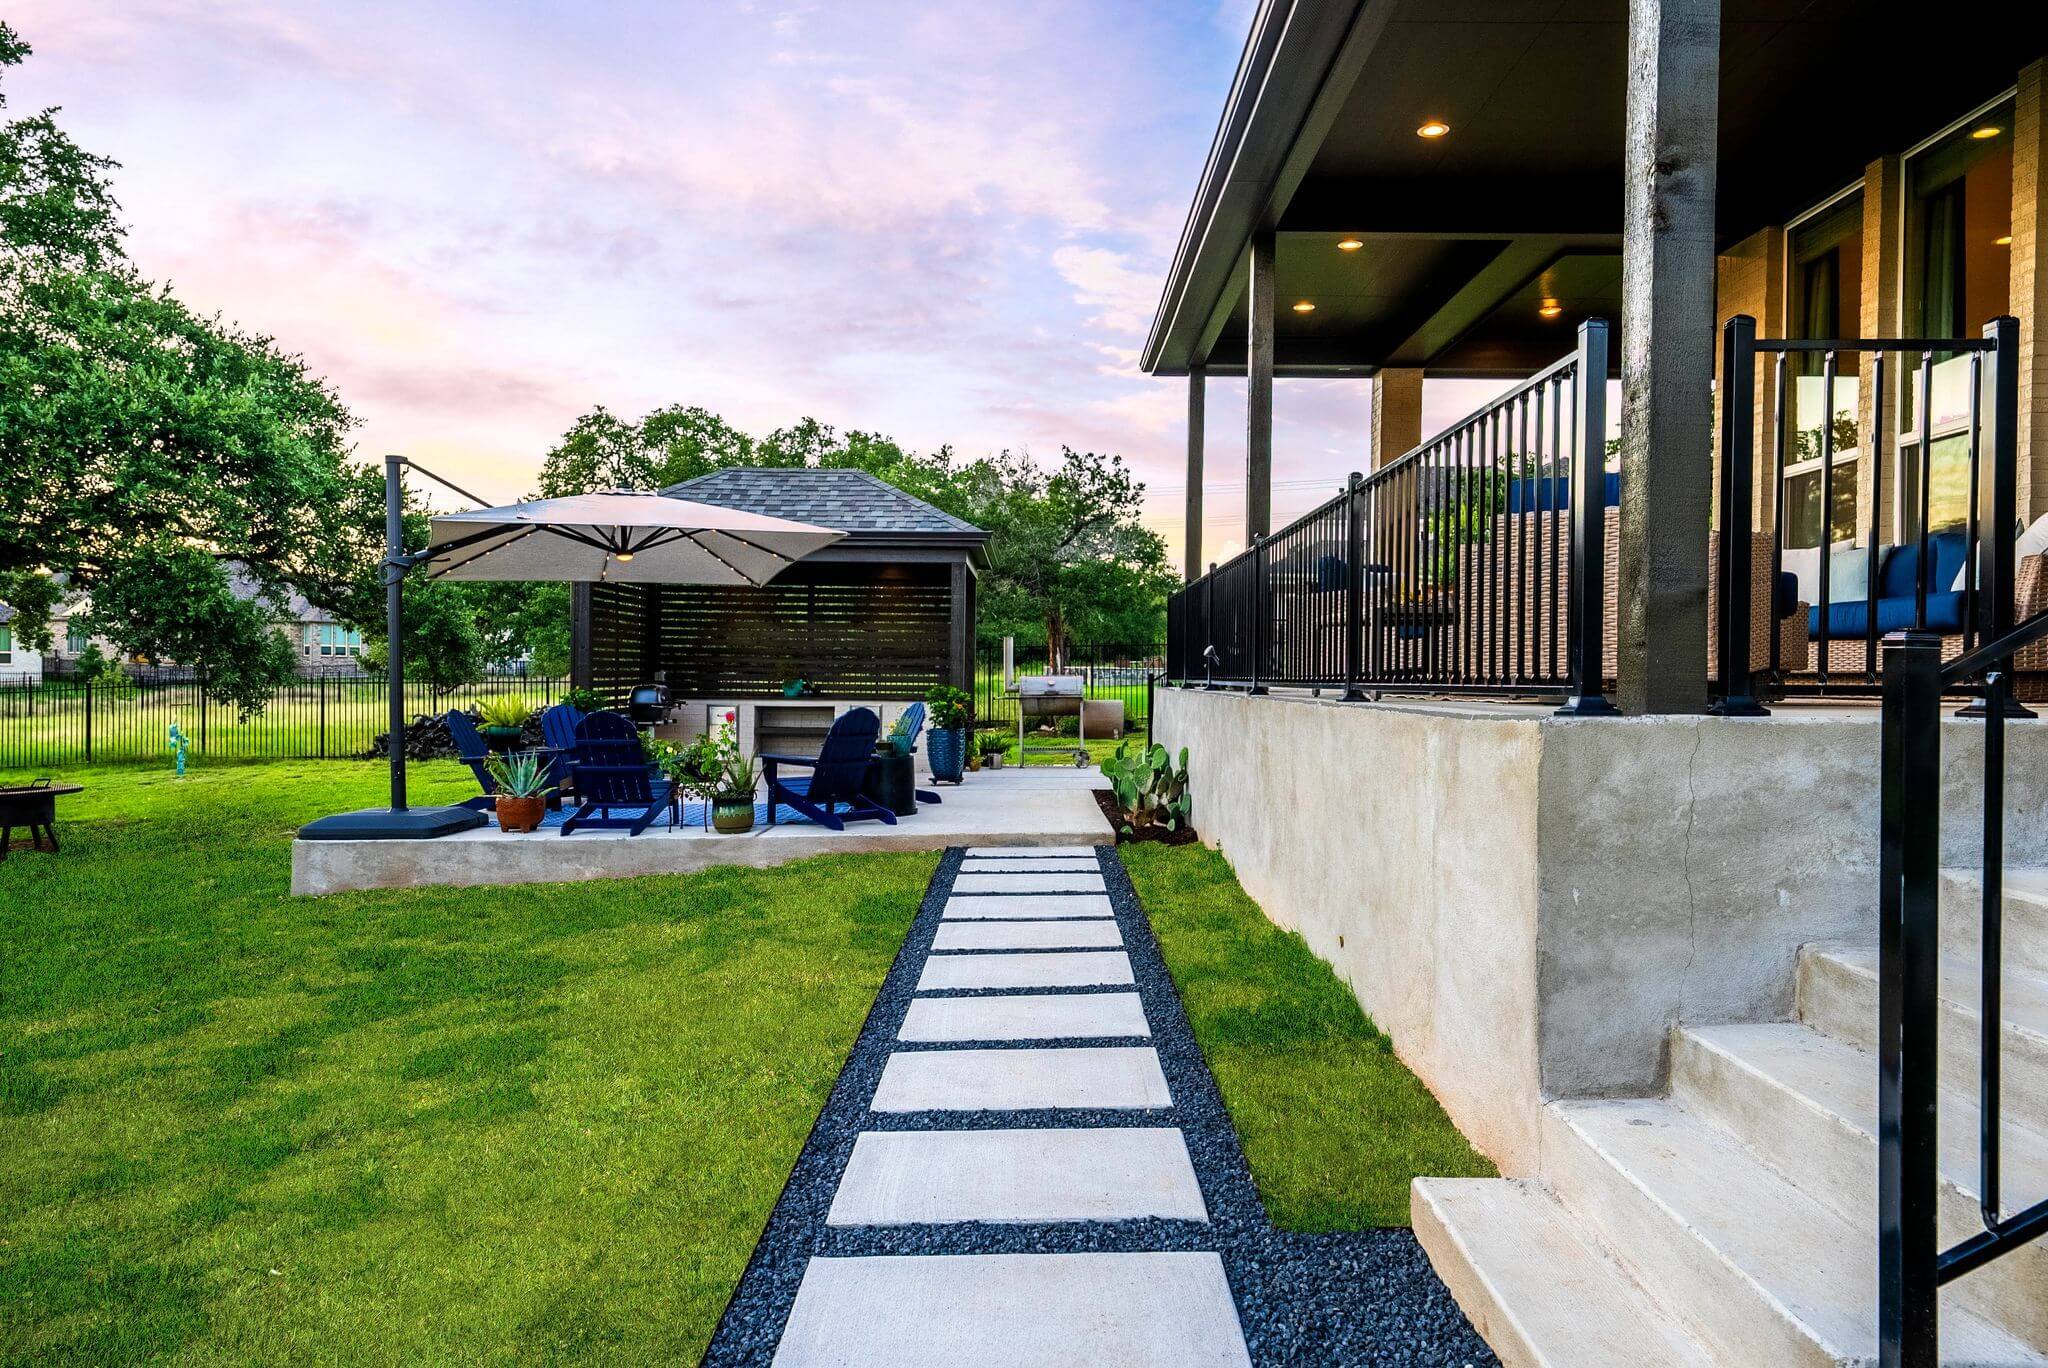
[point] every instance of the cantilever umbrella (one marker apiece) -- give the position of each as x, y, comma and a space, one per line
616, 536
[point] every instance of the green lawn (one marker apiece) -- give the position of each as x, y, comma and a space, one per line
1334, 1125
453, 1124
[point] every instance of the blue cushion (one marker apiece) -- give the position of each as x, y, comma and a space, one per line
1902, 565
1944, 614
1788, 593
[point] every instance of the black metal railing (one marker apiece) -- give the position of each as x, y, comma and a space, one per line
1984, 607
1474, 564
56, 722
1912, 1265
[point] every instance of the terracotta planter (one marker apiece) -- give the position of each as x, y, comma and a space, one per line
733, 817
521, 814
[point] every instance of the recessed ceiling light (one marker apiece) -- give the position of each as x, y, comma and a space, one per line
2005, 241
1987, 131
1550, 308
1305, 306
1435, 128
1349, 245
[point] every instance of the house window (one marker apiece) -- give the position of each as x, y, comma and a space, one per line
75, 640
1825, 279
336, 640
6, 645
1958, 260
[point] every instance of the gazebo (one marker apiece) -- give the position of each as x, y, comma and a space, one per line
877, 618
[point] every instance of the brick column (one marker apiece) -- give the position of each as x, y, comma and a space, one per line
1879, 315
1396, 413
2029, 285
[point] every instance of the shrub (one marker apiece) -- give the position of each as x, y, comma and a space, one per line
1148, 786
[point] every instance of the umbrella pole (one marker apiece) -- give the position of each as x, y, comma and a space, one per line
394, 651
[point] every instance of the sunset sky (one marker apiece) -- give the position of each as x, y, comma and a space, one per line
944, 222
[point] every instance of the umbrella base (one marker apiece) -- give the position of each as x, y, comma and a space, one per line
382, 824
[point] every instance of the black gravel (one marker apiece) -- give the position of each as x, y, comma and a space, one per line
1367, 1297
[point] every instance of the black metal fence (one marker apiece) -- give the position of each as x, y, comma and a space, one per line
1937, 572
1105, 674
70, 722
1474, 564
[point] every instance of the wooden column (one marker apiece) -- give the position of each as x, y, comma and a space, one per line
1258, 402
579, 634
1396, 413
1191, 552
1667, 358
960, 627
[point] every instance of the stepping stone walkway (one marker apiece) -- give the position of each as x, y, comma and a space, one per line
1026, 1163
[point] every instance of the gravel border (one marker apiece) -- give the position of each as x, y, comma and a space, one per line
1366, 1297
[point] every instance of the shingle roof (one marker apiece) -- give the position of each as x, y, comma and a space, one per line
850, 501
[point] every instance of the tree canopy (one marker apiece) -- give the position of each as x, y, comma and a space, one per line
152, 449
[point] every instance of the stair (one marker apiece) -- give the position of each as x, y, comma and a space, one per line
1732, 1221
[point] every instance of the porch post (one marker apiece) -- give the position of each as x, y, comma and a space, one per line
1191, 552
579, 635
1258, 403
1667, 333
1396, 413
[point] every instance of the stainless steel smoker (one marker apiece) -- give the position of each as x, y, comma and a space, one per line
1043, 696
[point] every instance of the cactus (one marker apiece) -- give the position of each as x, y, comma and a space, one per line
1149, 787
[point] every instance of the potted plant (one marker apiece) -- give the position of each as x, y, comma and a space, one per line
732, 792
946, 734
502, 720
521, 778
992, 747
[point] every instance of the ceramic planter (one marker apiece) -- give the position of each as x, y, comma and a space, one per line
947, 751
521, 814
733, 816
500, 739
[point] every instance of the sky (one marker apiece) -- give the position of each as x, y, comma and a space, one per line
944, 222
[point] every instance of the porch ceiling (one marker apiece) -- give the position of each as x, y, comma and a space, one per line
1319, 143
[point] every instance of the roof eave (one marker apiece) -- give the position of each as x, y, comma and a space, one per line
1263, 145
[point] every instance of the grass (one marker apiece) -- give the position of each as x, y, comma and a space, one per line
1333, 1124
477, 1124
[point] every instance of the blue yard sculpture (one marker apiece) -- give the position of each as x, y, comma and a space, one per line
178, 744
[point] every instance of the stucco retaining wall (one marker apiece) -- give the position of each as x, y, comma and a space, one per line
1526, 904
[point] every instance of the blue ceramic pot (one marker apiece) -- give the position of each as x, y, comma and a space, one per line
948, 752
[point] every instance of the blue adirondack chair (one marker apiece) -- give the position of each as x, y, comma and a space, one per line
836, 774
558, 727
470, 749
909, 725
614, 787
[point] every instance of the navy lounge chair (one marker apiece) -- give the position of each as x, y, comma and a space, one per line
558, 728
614, 787
470, 749
836, 775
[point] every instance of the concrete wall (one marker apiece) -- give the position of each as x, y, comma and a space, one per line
1528, 904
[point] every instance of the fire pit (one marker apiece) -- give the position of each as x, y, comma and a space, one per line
35, 807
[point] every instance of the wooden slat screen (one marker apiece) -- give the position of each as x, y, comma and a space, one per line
851, 631
619, 620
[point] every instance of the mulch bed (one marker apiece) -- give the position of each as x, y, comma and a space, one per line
1154, 834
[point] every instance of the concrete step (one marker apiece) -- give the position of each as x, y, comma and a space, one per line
1754, 1268
2024, 919
1807, 1105
1534, 1289
1838, 995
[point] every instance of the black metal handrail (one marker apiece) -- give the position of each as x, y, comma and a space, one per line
1988, 567
1473, 564
1912, 1265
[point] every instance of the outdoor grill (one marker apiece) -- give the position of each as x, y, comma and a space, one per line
1040, 697
648, 704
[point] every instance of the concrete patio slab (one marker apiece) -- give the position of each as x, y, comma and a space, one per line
935, 1177
1003, 907
1172, 1310
1057, 814
1070, 934
1026, 1016
1108, 1076
1028, 883
1020, 865
1027, 969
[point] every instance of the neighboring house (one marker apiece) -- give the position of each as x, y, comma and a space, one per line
1638, 959
18, 663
